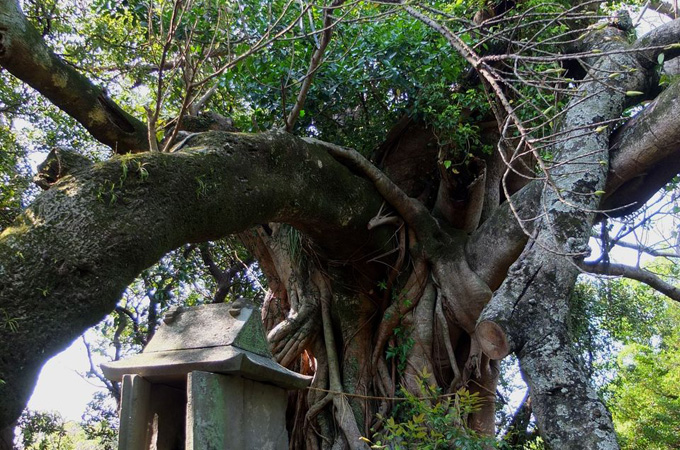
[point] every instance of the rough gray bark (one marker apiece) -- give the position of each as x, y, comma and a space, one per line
65, 263
537, 289
25, 55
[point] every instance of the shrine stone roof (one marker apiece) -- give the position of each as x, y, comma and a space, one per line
219, 338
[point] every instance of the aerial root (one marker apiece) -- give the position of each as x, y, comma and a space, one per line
342, 411
317, 407
474, 361
401, 306
296, 344
446, 337
298, 326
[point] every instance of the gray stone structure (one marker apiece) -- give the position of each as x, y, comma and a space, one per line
206, 381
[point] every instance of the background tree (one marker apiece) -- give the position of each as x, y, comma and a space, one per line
481, 144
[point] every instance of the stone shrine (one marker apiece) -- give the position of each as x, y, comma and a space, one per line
206, 380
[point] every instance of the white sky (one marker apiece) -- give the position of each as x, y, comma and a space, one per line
60, 388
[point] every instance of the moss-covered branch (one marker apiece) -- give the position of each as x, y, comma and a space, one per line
65, 263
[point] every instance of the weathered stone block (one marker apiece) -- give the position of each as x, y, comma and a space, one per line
206, 381
226, 412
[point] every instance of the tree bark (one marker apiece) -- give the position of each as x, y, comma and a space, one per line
538, 286
644, 154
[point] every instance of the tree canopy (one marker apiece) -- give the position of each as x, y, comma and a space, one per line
409, 190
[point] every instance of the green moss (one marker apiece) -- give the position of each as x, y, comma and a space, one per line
15, 230
252, 336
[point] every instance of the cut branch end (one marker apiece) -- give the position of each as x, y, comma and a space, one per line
492, 339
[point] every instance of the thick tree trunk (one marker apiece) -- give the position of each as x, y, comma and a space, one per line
538, 286
68, 258
568, 410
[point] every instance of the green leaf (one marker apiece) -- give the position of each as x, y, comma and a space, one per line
556, 71
660, 59
447, 164
633, 93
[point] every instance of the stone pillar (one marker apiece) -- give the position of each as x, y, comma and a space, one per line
134, 414
227, 412
152, 416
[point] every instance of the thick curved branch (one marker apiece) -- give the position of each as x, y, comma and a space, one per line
644, 151
644, 154
634, 273
411, 210
68, 258
494, 246
25, 55
662, 39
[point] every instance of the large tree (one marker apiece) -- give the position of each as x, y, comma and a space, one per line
474, 148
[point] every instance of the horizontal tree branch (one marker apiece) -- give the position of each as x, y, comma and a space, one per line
68, 258
648, 250
634, 273
662, 39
